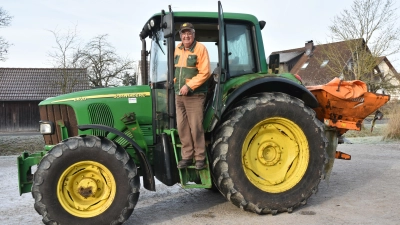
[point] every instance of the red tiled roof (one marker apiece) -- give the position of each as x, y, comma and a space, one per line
18, 84
314, 74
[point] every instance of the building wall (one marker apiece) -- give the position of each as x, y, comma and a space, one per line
385, 69
17, 116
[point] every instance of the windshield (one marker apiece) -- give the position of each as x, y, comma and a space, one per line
158, 58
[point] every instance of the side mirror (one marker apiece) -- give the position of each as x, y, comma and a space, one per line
168, 23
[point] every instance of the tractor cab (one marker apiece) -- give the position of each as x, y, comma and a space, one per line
231, 45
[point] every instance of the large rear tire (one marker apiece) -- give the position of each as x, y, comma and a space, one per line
269, 153
86, 180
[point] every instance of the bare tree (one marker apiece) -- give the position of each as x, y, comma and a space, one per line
62, 57
5, 20
129, 79
105, 67
369, 29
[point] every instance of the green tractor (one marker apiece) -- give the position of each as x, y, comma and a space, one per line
266, 149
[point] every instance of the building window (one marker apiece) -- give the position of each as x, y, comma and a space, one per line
304, 65
324, 62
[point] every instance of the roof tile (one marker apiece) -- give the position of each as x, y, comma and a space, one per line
18, 84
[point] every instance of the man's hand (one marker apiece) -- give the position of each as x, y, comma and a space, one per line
184, 90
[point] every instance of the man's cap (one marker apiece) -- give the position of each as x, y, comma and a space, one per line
186, 26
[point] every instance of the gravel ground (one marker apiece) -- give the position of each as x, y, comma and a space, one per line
15, 143
361, 191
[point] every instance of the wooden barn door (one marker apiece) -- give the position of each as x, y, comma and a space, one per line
19, 116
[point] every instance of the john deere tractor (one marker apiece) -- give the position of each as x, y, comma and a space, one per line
267, 149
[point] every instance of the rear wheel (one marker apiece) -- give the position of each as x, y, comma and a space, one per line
86, 180
269, 153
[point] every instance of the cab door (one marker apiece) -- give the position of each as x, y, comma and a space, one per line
223, 73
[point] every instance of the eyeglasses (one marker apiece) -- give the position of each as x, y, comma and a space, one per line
188, 33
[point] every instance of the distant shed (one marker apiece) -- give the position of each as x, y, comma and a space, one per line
22, 89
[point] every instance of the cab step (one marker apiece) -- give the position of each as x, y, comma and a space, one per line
190, 177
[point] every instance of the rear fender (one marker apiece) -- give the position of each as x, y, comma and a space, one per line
273, 84
267, 84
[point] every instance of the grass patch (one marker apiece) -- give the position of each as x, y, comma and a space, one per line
379, 130
389, 131
392, 131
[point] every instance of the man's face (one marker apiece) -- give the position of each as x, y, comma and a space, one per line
187, 37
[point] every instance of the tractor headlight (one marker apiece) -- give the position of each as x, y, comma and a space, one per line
46, 127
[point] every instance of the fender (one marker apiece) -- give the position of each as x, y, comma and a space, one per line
267, 84
273, 84
148, 177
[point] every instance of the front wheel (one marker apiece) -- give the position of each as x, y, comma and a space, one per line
86, 180
269, 153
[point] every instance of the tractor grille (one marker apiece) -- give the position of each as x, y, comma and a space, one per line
121, 141
147, 132
100, 113
55, 114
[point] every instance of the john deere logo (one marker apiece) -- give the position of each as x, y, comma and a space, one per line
184, 25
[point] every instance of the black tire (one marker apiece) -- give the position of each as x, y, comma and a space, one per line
240, 136
96, 160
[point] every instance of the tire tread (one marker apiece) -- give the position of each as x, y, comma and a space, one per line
220, 150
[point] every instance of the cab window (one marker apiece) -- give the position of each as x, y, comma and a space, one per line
240, 49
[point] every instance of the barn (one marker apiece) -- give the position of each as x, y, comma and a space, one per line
22, 89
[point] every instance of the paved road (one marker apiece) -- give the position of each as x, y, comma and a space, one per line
364, 190
30, 133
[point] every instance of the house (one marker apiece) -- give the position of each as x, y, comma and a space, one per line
318, 64
21, 90
306, 61
390, 73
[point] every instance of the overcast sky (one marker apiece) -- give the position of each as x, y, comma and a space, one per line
290, 23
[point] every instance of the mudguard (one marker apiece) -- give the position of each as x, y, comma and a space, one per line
274, 84
266, 84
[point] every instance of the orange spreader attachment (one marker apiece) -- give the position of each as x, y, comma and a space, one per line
342, 155
345, 104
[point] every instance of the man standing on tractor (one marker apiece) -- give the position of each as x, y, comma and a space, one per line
192, 70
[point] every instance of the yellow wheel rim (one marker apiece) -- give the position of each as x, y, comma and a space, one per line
275, 155
86, 189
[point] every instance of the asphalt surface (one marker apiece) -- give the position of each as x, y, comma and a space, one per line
29, 133
364, 190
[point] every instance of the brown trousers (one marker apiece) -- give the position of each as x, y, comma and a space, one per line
189, 117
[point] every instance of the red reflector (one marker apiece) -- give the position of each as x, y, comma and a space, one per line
297, 77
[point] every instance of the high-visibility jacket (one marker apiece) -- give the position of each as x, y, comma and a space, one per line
192, 68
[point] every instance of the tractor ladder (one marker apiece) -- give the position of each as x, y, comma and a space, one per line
190, 177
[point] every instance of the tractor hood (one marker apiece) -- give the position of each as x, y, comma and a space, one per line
100, 93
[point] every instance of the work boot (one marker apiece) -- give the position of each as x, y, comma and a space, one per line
184, 163
200, 165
